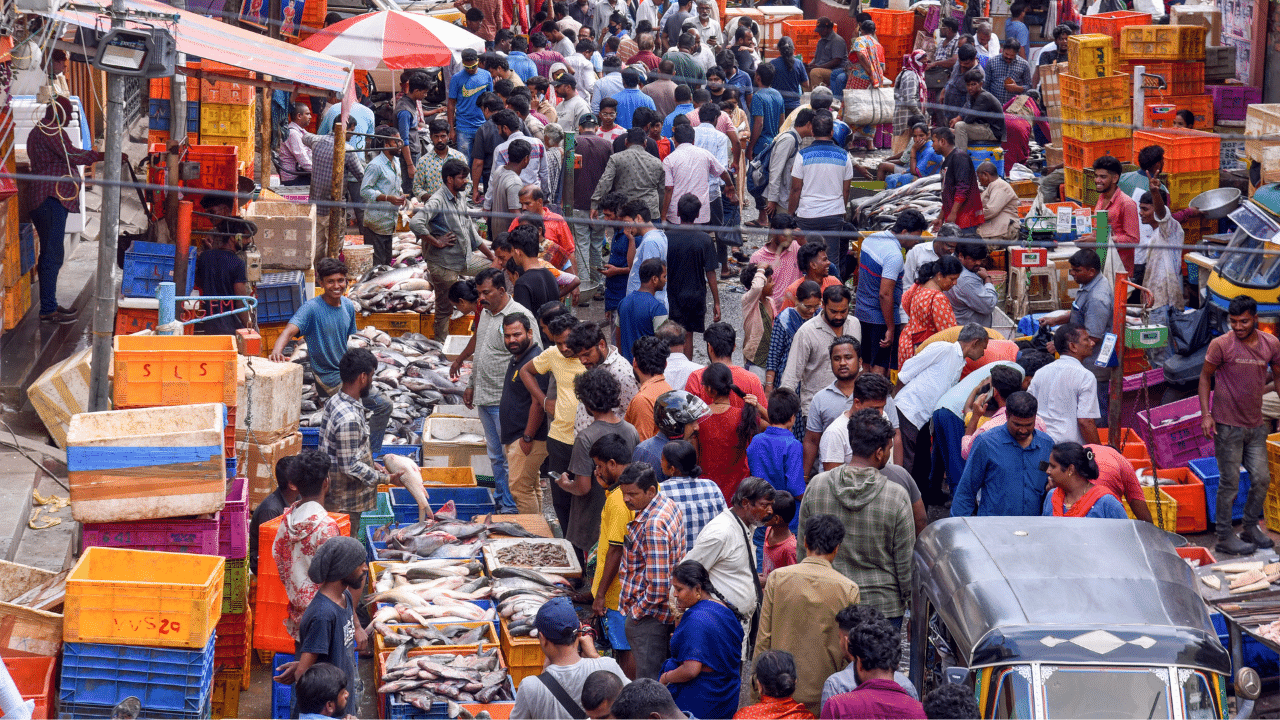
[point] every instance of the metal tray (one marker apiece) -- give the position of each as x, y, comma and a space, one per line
573, 569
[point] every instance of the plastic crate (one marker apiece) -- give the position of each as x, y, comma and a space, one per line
523, 655
231, 470
1079, 185
235, 590
382, 515
269, 334
433, 477
1099, 93
219, 167
159, 116
281, 695
413, 452
1166, 517
280, 295
1231, 102
222, 119
246, 149
1082, 155
893, 23
33, 677
176, 535
310, 437
233, 537
235, 636
159, 87
979, 154
1110, 23
1207, 470
1091, 56
487, 641
140, 361
1184, 187
470, 501
1176, 443
1200, 107
1079, 124
148, 264
1183, 43
225, 700
1199, 554
1185, 151
226, 92
134, 597
1181, 78
162, 678
394, 324
1189, 492
12, 264
86, 710
131, 320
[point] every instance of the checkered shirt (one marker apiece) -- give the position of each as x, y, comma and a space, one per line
344, 437
699, 500
654, 543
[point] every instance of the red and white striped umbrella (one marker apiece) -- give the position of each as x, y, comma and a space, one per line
393, 39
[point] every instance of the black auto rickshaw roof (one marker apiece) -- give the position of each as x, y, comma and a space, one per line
1065, 590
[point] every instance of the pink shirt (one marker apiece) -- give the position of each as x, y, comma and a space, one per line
785, 270
1240, 377
687, 168
1122, 219
779, 556
1116, 473
723, 123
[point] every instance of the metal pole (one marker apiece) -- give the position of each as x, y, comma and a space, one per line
104, 311
337, 213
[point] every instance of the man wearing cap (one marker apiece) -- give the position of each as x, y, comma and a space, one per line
588, 236
828, 55
571, 657
571, 105
465, 88
328, 631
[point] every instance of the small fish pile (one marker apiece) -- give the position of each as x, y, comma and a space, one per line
425, 680
880, 211
398, 290
533, 554
421, 636
443, 537
519, 593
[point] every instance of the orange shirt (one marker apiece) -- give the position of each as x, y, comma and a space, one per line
640, 411
789, 298
555, 229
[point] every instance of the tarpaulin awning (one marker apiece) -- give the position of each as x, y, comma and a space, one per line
208, 38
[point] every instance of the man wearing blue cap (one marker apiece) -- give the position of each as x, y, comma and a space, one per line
571, 658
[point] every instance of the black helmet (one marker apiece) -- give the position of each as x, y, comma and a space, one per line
673, 410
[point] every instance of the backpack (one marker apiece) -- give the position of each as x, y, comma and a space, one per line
758, 168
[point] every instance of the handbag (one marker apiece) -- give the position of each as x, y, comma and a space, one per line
936, 79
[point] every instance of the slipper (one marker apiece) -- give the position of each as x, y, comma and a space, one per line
753, 224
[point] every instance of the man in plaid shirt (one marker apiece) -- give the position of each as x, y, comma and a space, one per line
878, 556
655, 539
344, 437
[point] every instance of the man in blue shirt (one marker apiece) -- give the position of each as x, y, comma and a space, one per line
1015, 28
684, 106
641, 312
465, 88
1005, 465
365, 121
767, 109
326, 322
630, 98
518, 59
650, 243
788, 74
878, 305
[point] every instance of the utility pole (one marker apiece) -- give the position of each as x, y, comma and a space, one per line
177, 136
105, 287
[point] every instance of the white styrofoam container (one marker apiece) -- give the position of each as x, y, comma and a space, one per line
267, 407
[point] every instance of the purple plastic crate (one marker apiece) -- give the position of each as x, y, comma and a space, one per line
1231, 102
1172, 433
233, 539
179, 535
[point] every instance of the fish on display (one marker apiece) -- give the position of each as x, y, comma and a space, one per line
425, 680
411, 477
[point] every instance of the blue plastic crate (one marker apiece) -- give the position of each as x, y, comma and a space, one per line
979, 156
471, 501
147, 264
373, 547
1207, 470
413, 452
280, 295
310, 438
281, 695
89, 710
231, 467
27, 246
168, 679
159, 116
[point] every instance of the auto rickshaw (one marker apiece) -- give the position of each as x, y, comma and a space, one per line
1250, 264
1066, 618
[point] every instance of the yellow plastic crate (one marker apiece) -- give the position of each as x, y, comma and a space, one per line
394, 324
1076, 124
1180, 43
448, 477
523, 655
1090, 56
226, 694
1168, 511
137, 597
219, 119
153, 370
1184, 187
487, 642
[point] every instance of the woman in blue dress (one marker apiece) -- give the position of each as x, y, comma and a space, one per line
1071, 471
704, 673
622, 250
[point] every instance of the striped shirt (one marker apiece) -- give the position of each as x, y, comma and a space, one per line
824, 170
654, 541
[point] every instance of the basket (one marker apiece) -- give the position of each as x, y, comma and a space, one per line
1178, 442
1099, 93
1185, 151
1183, 43
1110, 23
135, 597
1078, 124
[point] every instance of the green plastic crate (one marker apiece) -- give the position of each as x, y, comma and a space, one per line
377, 518
235, 587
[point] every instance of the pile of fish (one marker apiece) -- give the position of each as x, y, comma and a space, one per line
402, 289
425, 680
880, 211
519, 592
533, 554
442, 537
421, 636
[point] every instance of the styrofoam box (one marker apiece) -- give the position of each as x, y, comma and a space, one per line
62, 392
267, 407
257, 463
286, 233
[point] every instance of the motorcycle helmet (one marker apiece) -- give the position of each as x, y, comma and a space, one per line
673, 410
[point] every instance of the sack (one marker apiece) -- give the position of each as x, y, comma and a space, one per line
758, 168
1189, 332
871, 106
936, 79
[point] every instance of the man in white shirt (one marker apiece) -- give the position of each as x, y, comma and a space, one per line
572, 106
679, 366
923, 252
584, 71
820, 178
707, 28
571, 658
1066, 390
925, 378
536, 172
988, 44
689, 169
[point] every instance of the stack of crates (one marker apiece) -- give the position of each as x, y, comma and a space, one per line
1176, 53
271, 602
1263, 120
140, 623
158, 126
19, 249
268, 430
895, 29
1093, 91
1191, 161
228, 114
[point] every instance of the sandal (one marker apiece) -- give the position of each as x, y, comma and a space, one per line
754, 224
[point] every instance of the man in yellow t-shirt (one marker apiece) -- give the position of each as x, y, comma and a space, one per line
564, 366
611, 455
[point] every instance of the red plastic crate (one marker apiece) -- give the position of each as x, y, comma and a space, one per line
233, 535
1181, 78
228, 92
178, 535
271, 603
219, 167
1201, 106
1195, 552
894, 50
1184, 150
1110, 23
1230, 102
1177, 442
235, 638
132, 320
34, 678
893, 23
1078, 154
1189, 492
229, 435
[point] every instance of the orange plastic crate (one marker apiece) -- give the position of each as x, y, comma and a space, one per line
271, 603
1110, 23
160, 86
1078, 154
34, 678
1189, 492
219, 167
893, 23
1185, 151
894, 50
1201, 106
1181, 78
228, 92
